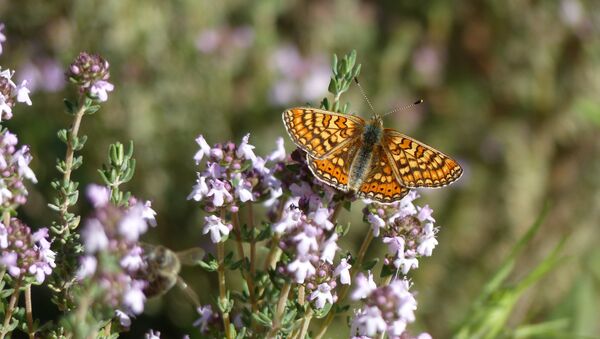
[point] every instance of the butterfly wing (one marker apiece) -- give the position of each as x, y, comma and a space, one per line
418, 165
381, 184
321, 133
335, 169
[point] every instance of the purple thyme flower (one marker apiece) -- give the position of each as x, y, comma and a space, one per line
218, 230
364, 286
25, 254
225, 39
343, 271
408, 231
152, 335
110, 235
209, 320
2, 36
387, 309
321, 295
11, 92
14, 170
98, 195
233, 174
46, 74
299, 78
90, 73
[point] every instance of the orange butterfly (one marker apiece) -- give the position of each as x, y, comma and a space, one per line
377, 163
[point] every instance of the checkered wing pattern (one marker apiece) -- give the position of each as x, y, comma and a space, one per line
321, 133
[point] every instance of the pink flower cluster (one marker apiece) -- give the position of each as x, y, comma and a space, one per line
110, 238
233, 175
14, 170
24, 254
407, 230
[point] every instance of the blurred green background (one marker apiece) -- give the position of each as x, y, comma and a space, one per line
511, 89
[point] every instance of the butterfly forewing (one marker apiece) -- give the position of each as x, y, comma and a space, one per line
416, 164
380, 184
321, 133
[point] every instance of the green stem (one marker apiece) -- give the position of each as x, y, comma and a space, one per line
283, 296
305, 323
346, 288
29, 312
252, 259
69, 164
222, 287
11, 307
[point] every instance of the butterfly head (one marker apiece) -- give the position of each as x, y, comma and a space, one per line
376, 121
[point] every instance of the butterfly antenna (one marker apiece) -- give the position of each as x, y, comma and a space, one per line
402, 108
362, 91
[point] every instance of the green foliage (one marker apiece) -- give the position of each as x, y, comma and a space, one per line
492, 309
118, 171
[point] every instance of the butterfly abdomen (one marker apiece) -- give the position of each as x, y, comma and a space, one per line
364, 157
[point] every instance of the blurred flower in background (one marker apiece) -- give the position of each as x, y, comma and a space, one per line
299, 79
45, 75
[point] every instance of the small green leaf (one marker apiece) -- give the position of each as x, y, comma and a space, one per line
92, 109
370, 264
69, 106
321, 313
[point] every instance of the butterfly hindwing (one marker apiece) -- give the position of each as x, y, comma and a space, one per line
335, 169
416, 164
321, 133
381, 184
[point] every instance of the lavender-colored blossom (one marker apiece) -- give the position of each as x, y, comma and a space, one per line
149, 214
343, 271
205, 149
376, 222
279, 153
427, 240
306, 241
134, 297
299, 78
25, 254
2, 36
94, 237
11, 93
14, 171
100, 90
87, 266
208, 318
98, 195
321, 296
133, 223
132, 261
22, 93
90, 72
110, 235
219, 193
329, 247
124, 319
200, 190
368, 322
290, 217
243, 188
321, 217
45, 74
152, 335
301, 268
393, 303
364, 286
218, 230
224, 39
246, 150
408, 231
